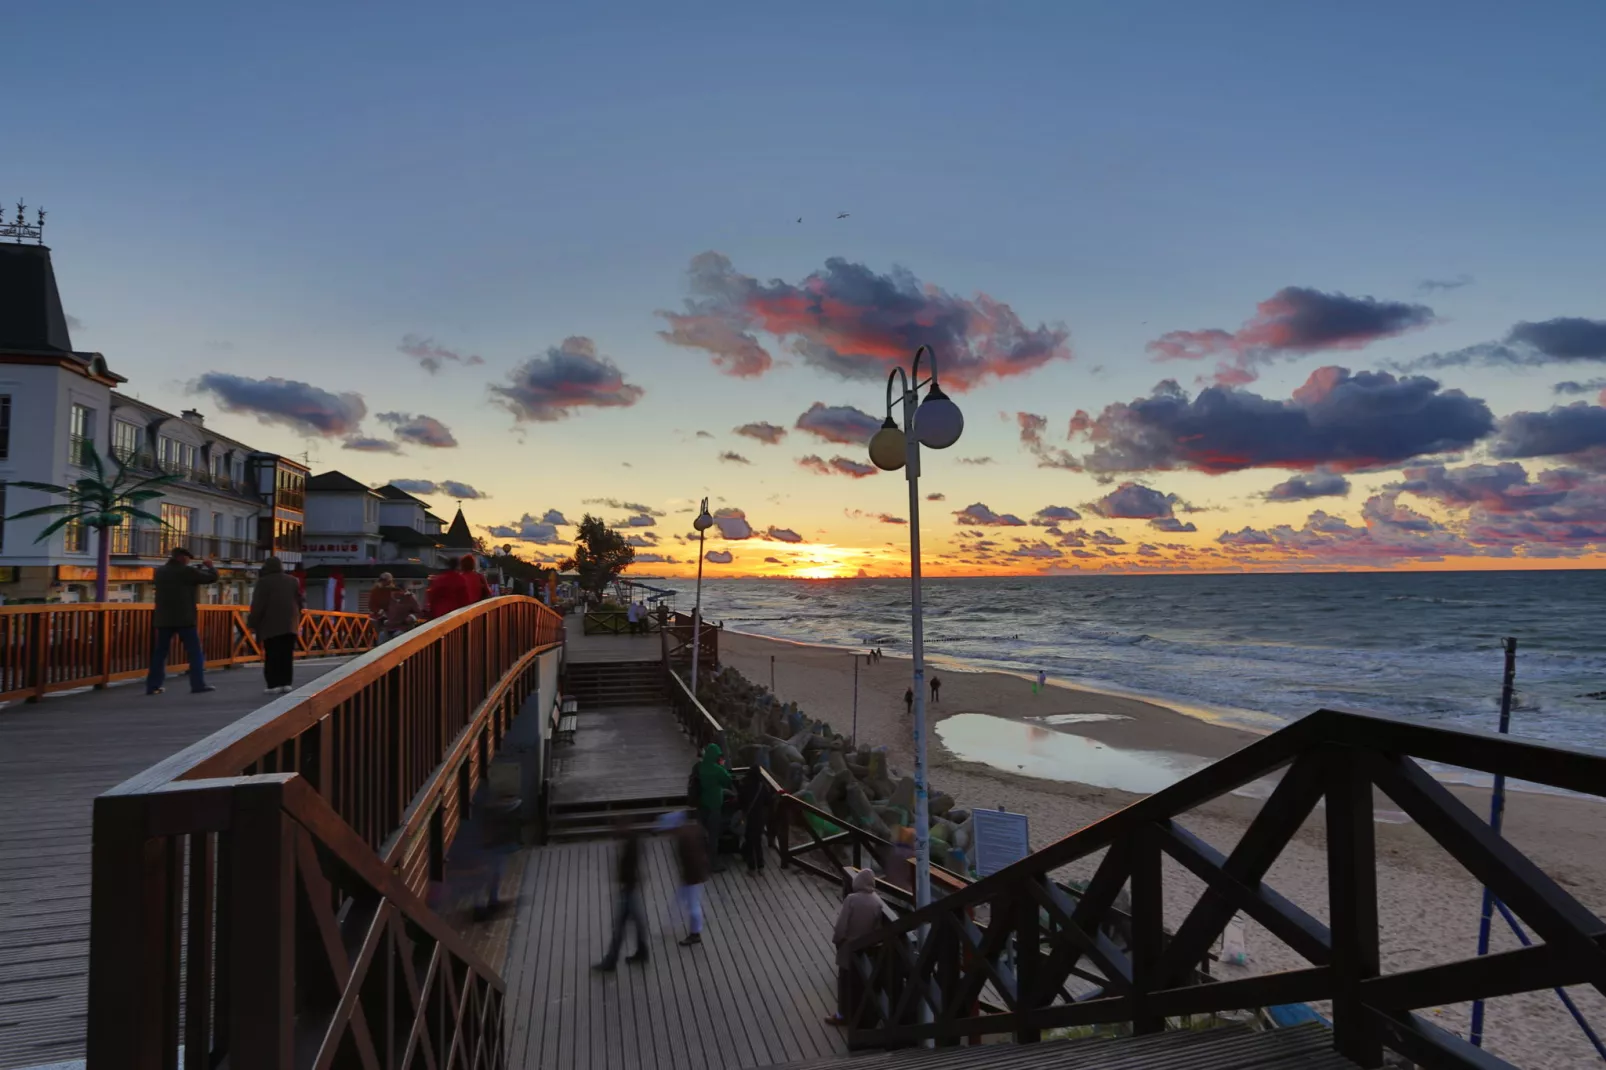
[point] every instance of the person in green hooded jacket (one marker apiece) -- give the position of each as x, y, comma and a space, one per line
713, 780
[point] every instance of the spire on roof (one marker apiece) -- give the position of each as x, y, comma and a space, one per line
458, 537
31, 316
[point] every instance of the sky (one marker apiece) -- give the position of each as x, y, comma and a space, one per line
1239, 286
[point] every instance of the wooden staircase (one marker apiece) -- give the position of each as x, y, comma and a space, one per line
605, 684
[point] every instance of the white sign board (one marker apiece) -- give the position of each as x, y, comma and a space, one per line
1001, 839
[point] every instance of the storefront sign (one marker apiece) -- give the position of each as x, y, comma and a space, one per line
116, 574
329, 548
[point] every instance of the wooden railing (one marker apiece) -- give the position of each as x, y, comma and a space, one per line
1052, 964
258, 897
57, 647
678, 635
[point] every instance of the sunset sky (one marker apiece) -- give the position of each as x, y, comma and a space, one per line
1225, 286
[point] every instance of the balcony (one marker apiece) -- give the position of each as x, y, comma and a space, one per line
153, 543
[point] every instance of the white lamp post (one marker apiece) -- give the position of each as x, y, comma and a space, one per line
703, 522
938, 423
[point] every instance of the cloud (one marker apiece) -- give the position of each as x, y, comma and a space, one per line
567, 377
704, 434
1172, 524
763, 431
978, 461
1293, 321
638, 540
1302, 488
552, 516
773, 561
449, 488
838, 465
936, 496
296, 405
888, 518
655, 559
732, 524
1134, 501
852, 322
416, 486
1499, 488
73, 322
432, 356
1577, 430
453, 489
1032, 427
528, 529
1431, 285
419, 430
629, 507
1588, 386
1053, 514
639, 520
1565, 338
719, 557
784, 535
1040, 550
732, 457
363, 444
839, 423
979, 515
1336, 420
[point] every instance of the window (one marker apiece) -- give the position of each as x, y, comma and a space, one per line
123, 536
126, 440
5, 427
83, 434
73, 533
3, 512
175, 526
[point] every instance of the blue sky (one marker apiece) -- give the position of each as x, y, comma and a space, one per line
289, 194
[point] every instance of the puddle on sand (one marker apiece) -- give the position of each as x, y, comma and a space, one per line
1079, 718
1031, 750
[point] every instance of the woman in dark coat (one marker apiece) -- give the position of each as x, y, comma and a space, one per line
275, 616
755, 797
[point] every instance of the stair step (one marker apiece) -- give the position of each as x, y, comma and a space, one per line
590, 811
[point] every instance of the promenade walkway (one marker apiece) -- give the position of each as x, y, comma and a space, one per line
56, 755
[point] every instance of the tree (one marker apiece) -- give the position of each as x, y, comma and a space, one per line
600, 554
96, 503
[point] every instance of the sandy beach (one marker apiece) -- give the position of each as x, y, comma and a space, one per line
1428, 904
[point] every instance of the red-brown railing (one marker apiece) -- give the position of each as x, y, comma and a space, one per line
58, 647
257, 898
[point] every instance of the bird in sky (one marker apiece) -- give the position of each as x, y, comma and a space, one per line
800, 219
842, 215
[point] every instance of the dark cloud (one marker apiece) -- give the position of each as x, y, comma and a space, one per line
773, 561
852, 322
936, 496
888, 518
839, 423
528, 528
656, 559
1172, 524
1053, 514
705, 434
554, 517
363, 444
732, 524
448, 488
978, 461
762, 431
416, 486
784, 535
1302, 488
839, 465
979, 515
1293, 321
1134, 501
638, 520
638, 540
719, 557
451, 488
1041, 550
732, 457
1335, 420
1032, 428
567, 377
1431, 285
629, 507
1588, 386
296, 405
1576, 431
1498, 488
73, 322
431, 356
419, 430
1565, 338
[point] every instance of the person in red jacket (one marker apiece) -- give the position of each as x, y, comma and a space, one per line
457, 587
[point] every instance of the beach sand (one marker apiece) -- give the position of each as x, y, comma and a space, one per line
1428, 904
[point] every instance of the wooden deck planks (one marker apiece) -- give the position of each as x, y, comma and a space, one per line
55, 757
753, 994
628, 752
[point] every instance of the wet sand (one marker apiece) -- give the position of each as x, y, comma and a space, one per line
1428, 905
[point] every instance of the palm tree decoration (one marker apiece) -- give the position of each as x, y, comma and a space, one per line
100, 504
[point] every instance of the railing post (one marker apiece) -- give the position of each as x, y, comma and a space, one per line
40, 632
103, 653
1352, 906
262, 931
1028, 944
1148, 927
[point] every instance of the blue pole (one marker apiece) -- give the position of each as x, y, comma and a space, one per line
1497, 810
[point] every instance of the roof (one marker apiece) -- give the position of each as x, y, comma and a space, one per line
337, 481
31, 317
458, 536
395, 494
404, 536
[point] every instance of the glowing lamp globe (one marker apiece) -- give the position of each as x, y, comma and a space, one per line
703, 521
938, 421
887, 448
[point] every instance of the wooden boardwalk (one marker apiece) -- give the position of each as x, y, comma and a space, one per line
579, 647
753, 994
626, 752
55, 757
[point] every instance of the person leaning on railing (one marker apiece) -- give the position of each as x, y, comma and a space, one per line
178, 586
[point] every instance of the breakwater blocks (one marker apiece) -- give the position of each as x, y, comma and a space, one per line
856, 785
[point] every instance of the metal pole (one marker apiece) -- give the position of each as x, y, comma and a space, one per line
772, 676
917, 634
697, 614
1497, 810
855, 702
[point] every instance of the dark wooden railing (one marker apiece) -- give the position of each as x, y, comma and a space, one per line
58, 647
679, 631
258, 897
1037, 940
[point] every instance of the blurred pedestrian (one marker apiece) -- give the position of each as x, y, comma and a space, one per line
861, 914
936, 688
628, 910
713, 781
691, 850
275, 617
401, 613
909, 701
755, 798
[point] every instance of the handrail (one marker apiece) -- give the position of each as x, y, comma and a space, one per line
271, 873
58, 647
1338, 756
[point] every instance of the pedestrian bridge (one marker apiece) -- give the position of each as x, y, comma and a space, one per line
276, 886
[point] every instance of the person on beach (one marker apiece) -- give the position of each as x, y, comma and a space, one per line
861, 914
936, 688
755, 798
628, 911
713, 780
178, 587
275, 617
909, 701
1042, 681
692, 852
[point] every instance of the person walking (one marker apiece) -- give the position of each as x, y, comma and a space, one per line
755, 798
936, 688
628, 910
400, 614
275, 617
909, 701
456, 587
861, 914
632, 615
691, 850
178, 587
379, 598
713, 780
1042, 681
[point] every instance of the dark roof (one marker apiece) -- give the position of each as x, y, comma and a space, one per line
458, 536
31, 316
401, 570
402, 536
336, 481
394, 494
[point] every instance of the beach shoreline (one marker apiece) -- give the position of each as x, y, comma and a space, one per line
1428, 905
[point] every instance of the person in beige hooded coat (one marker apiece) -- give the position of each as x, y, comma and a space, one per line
861, 915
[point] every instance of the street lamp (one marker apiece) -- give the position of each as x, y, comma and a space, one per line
703, 522
938, 423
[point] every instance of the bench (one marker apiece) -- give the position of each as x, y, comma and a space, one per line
568, 718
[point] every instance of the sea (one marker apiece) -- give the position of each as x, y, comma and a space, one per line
1256, 651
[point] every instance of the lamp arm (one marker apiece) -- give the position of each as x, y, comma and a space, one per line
895, 373
931, 358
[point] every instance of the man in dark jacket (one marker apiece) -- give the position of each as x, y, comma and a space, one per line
755, 799
178, 587
629, 910
713, 780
